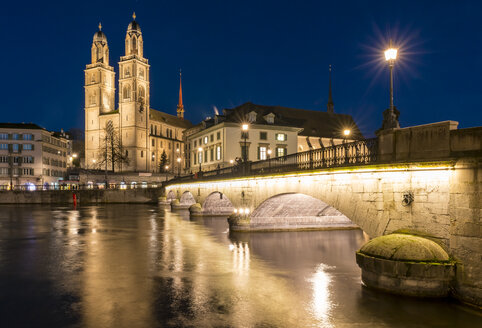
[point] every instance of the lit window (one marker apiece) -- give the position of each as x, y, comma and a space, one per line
281, 137
262, 153
205, 140
218, 153
280, 152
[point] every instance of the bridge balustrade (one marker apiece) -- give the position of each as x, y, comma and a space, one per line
345, 154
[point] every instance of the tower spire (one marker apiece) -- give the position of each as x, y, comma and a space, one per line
180, 106
330, 106
100, 26
134, 15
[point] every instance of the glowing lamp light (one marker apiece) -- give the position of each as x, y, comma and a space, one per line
200, 149
74, 155
246, 210
245, 127
241, 211
179, 159
391, 54
269, 151
235, 210
346, 132
167, 167
231, 161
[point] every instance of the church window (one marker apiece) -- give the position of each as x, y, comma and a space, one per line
142, 93
127, 71
127, 92
92, 79
155, 130
142, 153
141, 73
152, 130
153, 142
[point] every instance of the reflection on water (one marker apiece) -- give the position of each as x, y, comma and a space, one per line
142, 266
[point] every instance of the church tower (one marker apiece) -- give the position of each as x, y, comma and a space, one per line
99, 95
134, 99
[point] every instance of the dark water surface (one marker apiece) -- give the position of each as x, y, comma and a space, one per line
142, 266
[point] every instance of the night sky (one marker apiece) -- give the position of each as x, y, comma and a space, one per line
266, 52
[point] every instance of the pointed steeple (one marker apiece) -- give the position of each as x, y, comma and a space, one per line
330, 106
180, 106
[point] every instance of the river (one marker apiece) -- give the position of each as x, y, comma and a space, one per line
144, 266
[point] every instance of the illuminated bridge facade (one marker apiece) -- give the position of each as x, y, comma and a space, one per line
426, 179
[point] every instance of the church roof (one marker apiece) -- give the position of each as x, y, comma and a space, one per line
314, 123
30, 126
169, 119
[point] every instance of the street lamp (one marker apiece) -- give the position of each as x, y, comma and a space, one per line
179, 166
245, 128
269, 158
390, 57
199, 156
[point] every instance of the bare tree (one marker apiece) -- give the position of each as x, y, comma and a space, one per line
111, 153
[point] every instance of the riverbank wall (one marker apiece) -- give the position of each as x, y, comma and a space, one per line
99, 196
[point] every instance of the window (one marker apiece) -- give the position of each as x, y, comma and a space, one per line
3, 136
153, 157
155, 130
200, 141
152, 129
262, 153
263, 135
17, 159
28, 159
205, 140
194, 160
15, 136
218, 135
153, 143
27, 147
211, 154
200, 157
3, 159
126, 94
3, 170
206, 155
127, 153
218, 153
281, 137
280, 151
28, 137
142, 153
195, 143
212, 137
15, 148
3, 146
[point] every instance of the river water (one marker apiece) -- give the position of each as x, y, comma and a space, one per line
143, 266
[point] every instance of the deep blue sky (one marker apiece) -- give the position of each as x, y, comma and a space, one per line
266, 52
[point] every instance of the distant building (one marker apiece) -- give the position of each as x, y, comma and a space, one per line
144, 133
30, 155
272, 131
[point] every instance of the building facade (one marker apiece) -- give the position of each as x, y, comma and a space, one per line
31, 156
271, 131
142, 133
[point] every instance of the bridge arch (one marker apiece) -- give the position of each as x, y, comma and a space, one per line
298, 210
187, 198
217, 203
171, 195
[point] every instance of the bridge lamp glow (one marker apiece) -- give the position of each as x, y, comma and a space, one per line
231, 161
246, 211
245, 127
346, 132
179, 159
74, 155
166, 167
391, 54
241, 211
235, 210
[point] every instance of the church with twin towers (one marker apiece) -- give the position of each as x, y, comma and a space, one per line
143, 133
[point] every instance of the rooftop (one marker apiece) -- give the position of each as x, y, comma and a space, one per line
31, 126
169, 119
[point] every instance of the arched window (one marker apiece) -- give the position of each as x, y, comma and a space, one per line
134, 45
126, 93
142, 93
127, 71
93, 97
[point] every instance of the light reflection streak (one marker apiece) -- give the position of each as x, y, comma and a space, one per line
321, 304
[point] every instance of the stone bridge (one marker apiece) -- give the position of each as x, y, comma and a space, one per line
426, 179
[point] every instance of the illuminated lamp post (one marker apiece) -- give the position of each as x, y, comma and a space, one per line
390, 119
245, 128
179, 166
269, 159
200, 151
346, 133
